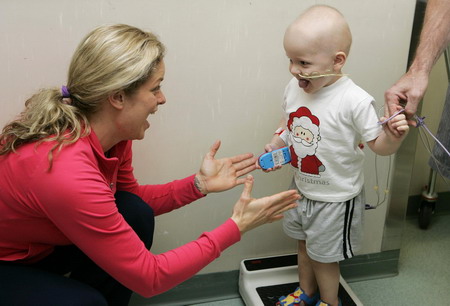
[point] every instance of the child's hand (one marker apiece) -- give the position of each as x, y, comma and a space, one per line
400, 125
268, 148
389, 141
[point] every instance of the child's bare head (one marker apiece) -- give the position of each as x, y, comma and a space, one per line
322, 26
318, 41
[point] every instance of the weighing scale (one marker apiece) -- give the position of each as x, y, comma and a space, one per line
263, 280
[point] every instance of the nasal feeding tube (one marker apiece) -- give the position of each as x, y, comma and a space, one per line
316, 75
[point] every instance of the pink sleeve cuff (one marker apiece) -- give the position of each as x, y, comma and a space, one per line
196, 191
226, 235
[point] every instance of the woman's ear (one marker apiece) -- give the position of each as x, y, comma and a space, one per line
117, 99
339, 60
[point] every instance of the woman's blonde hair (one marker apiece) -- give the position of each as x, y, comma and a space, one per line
109, 59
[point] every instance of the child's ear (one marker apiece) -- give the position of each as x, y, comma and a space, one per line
117, 99
339, 60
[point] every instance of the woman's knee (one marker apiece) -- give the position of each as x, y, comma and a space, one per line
138, 214
31, 286
86, 295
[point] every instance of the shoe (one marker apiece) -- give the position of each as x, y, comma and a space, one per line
322, 303
296, 297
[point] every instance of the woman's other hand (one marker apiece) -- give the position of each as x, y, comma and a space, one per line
249, 212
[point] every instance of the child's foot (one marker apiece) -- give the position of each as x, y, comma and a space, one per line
295, 298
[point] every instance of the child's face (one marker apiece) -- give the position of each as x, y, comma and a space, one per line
309, 59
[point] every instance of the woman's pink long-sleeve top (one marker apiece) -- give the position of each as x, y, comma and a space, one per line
73, 203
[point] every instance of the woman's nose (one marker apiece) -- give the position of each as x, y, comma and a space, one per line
162, 98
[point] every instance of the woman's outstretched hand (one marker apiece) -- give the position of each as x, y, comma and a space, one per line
217, 175
249, 212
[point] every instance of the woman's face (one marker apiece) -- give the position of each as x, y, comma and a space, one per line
139, 105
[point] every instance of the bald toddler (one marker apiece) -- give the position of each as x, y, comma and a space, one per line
326, 118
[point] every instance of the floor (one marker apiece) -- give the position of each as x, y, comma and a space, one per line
424, 277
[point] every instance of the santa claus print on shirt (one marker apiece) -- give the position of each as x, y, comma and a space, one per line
304, 134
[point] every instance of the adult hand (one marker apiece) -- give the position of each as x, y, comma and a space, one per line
217, 175
409, 89
249, 212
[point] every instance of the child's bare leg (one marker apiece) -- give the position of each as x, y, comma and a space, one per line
305, 270
327, 276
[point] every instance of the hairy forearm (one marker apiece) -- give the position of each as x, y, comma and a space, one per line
435, 36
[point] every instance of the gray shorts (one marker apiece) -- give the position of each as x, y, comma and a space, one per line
333, 231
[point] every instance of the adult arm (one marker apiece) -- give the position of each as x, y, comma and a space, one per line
88, 217
434, 38
215, 175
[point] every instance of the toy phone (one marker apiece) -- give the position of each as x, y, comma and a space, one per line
277, 157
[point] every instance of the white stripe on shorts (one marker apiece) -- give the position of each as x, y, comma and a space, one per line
346, 242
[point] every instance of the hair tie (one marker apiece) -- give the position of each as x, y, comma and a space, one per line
65, 92
66, 95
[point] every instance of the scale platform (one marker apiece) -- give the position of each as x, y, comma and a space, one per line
263, 280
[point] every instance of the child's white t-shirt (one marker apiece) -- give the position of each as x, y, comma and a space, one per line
323, 132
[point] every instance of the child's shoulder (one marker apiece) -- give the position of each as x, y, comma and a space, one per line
356, 93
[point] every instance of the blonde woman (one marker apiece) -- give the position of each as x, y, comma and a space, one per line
69, 201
